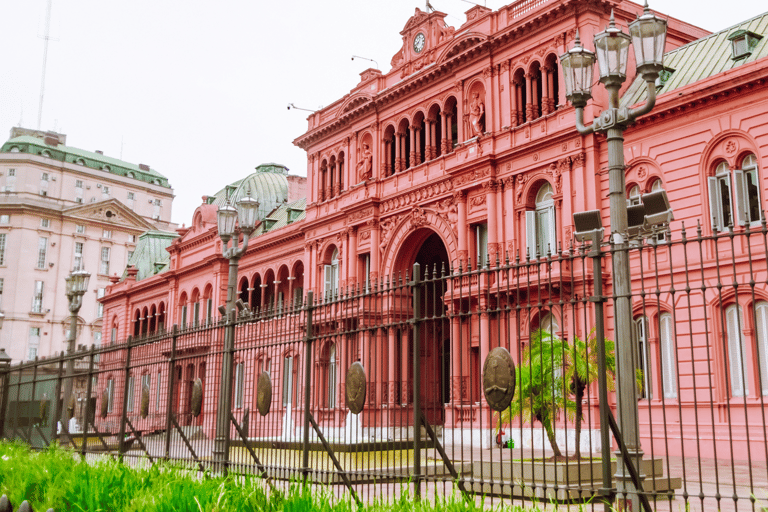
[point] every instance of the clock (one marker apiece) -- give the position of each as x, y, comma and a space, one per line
418, 42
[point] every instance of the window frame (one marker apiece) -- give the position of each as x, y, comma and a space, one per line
539, 243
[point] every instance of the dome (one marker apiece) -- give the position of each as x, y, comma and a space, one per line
268, 185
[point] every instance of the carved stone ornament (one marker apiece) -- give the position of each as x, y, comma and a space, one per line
197, 397
104, 403
144, 401
355, 388
263, 393
499, 379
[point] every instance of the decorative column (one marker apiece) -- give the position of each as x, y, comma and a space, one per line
352, 251
398, 152
460, 198
376, 153
413, 157
545, 70
551, 88
386, 166
505, 95
375, 254
491, 187
529, 116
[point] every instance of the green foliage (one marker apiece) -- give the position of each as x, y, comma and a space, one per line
552, 378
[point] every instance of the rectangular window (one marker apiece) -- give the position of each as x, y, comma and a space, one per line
2, 284
37, 298
42, 250
720, 204
287, 381
156, 204
104, 192
197, 313
34, 342
45, 223
130, 255
44, 177
11, 173
131, 391
79, 191
146, 382
78, 260
97, 339
5, 219
106, 233
113, 336
78, 183
481, 244
540, 230
183, 316
761, 324
366, 273
132, 239
104, 267
737, 351
110, 394
99, 306
643, 377
2, 248
746, 187
209, 310
239, 384
79, 228
668, 359
157, 393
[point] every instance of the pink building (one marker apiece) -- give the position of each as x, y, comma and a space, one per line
464, 154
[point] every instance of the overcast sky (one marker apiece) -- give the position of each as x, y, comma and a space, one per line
198, 89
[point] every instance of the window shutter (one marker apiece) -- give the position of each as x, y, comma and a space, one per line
714, 206
742, 198
735, 353
552, 230
761, 313
530, 233
328, 281
669, 361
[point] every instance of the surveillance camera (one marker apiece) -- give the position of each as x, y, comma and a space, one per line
289, 107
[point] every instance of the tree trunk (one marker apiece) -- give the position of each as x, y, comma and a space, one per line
579, 413
551, 437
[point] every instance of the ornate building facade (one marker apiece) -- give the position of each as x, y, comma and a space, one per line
464, 155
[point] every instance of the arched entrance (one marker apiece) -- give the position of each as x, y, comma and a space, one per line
426, 248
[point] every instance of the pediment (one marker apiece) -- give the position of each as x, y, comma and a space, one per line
355, 101
459, 45
109, 211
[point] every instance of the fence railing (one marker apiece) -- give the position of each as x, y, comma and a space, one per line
393, 387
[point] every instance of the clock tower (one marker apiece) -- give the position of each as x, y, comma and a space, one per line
422, 35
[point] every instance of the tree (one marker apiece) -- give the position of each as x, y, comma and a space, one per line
553, 376
581, 370
540, 386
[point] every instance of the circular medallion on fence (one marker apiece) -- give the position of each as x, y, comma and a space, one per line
355, 388
499, 379
263, 393
104, 403
197, 397
144, 401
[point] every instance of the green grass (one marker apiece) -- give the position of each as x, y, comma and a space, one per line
58, 478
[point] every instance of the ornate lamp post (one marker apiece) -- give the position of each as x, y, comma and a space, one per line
245, 214
77, 284
647, 36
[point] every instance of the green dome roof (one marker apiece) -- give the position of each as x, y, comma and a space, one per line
268, 185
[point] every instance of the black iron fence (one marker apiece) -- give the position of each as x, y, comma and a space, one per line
394, 385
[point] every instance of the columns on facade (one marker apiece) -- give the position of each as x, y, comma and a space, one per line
494, 254
505, 95
352, 251
375, 154
386, 165
551, 88
399, 151
375, 253
529, 115
413, 157
460, 198
445, 124
545, 91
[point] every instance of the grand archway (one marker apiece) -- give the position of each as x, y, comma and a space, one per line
426, 247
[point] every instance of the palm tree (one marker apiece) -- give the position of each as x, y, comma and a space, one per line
540, 386
581, 370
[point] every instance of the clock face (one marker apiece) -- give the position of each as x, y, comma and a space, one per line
418, 42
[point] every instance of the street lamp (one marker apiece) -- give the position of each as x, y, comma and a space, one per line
77, 284
246, 215
5, 368
647, 37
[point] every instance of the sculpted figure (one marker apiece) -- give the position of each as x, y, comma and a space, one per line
477, 114
365, 165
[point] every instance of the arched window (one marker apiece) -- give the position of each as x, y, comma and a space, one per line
668, 357
656, 186
633, 197
736, 349
642, 358
331, 401
332, 276
734, 198
540, 224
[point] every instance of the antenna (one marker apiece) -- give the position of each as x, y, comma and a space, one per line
46, 38
292, 106
365, 58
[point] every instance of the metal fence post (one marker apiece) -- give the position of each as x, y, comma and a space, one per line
5, 388
602, 382
171, 380
88, 391
416, 325
58, 402
307, 382
124, 414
